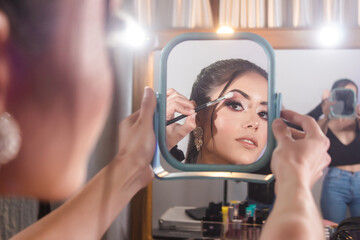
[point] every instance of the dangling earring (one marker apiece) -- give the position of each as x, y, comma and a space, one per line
10, 138
198, 134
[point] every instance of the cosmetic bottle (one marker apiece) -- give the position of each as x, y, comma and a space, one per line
258, 223
250, 226
211, 224
225, 220
233, 223
242, 211
242, 217
265, 213
235, 205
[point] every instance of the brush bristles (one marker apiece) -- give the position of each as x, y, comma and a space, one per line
229, 95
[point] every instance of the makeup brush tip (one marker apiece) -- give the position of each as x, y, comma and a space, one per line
229, 95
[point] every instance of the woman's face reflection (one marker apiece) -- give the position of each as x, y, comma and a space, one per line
239, 124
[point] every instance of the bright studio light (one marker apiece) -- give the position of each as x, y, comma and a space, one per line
128, 32
134, 35
225, 29
330, 36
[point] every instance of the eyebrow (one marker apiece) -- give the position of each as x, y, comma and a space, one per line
247, 96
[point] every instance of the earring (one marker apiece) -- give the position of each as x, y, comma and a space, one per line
198, 134
10, 138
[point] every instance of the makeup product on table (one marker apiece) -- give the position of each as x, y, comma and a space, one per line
201, 107
225, 219
211, 224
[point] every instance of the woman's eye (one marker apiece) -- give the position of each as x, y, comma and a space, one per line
263, 115
236, 106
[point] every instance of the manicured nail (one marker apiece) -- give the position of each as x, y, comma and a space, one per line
147, 92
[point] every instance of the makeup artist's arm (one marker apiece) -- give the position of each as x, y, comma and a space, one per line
175, 102
297, 163
89, 213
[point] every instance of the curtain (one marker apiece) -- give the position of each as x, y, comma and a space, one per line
264, 13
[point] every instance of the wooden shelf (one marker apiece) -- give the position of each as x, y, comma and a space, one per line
279, 38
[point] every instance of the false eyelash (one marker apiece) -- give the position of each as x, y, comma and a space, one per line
232, 102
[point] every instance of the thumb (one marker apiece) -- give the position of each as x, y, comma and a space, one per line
326, 94
280, 130
148, 104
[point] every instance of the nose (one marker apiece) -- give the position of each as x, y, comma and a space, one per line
251, 124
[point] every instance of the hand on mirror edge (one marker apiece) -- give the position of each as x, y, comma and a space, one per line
177, 103
297, 162
137, 138
299, 156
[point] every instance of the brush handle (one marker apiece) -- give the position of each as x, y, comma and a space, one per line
175, 119
201, 107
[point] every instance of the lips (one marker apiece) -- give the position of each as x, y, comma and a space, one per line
248, 142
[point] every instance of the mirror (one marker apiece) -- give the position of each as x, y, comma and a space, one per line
229, 79
344, 103
234, 130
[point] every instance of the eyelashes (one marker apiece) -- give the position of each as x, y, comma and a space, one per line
234, 105
238, 107
263, 115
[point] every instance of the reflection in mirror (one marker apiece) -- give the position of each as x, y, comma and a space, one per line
232, 131
344, 103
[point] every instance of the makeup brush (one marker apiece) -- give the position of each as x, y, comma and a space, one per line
201, 107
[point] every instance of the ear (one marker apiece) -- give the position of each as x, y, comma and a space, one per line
4, 67
200, 116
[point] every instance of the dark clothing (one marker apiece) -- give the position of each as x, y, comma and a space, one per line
262, 192
316, 112
344, 154
177, 153
340, 154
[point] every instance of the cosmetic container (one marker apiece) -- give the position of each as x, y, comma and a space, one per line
237, 229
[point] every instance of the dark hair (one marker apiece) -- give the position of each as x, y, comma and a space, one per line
341, 83
31, 22
212, 76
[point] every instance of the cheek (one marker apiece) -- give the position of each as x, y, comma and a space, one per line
224, 127
263, 133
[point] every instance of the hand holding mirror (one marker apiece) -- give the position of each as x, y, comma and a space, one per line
236, 139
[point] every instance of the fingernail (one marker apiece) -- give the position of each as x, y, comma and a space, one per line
147, 92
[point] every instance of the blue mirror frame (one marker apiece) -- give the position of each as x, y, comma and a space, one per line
243, 172
332, 113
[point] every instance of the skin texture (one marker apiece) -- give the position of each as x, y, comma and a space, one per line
233, 123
